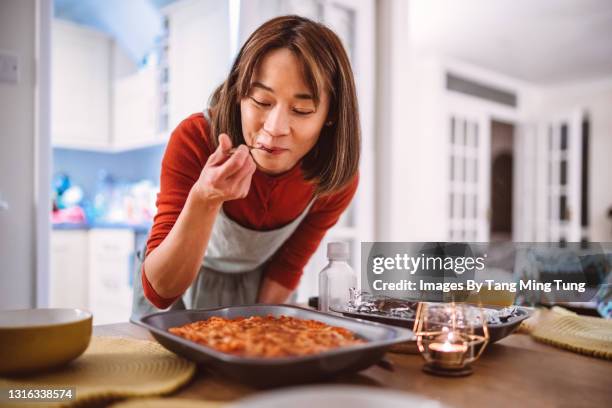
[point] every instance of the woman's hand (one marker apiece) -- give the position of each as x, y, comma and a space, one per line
225, 177
273, 292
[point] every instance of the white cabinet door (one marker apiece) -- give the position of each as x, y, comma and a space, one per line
198, 54
80, 86
110, 265
69, 280
135, 110
90, 269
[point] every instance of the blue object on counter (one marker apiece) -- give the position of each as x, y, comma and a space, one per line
71, 197
61, 182
103, 195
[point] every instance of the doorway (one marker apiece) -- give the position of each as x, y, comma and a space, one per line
502, 161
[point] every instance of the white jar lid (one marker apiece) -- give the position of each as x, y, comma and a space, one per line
338, 251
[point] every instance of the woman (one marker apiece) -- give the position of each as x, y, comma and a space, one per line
250, 186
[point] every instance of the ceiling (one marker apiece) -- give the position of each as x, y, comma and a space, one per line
135, 24
542, 41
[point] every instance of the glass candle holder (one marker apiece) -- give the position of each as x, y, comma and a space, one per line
450, 336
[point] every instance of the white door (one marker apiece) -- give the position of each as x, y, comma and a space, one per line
353, 22
468, 138
562, 184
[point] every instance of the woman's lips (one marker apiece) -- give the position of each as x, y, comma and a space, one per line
271, 149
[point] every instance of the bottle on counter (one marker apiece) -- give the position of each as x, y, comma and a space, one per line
336, 279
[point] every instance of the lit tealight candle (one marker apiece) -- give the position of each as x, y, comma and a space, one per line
448, 347
447, 353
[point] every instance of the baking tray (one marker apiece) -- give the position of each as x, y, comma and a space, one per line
265, 372
496, 331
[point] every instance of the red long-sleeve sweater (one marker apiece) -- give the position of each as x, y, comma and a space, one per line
272, 202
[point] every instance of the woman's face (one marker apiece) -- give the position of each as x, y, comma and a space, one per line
279, 115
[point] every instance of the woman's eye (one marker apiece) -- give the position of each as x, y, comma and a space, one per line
303, 112
260, 103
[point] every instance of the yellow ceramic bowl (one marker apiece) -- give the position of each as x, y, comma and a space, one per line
38, 339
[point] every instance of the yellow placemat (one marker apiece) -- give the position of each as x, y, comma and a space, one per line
582, 334
167, 403
112, 368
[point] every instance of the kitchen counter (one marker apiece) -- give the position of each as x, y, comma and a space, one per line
516, 371
70, 226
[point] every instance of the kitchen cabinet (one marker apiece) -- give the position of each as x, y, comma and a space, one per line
92, 270
198, 54
135, 110
80, 86
69, 280
111, 256
101, 101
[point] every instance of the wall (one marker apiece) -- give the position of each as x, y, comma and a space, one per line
83, 166
421, 155
19, 163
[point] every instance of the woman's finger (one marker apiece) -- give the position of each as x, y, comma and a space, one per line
220, 154
225, 143
244, 185
232, 165
246, 170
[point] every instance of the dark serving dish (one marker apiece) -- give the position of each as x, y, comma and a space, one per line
263, 372
496, 331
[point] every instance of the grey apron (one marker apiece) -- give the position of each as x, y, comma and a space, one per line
232, 268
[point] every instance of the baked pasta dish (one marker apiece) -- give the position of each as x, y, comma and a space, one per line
266, 336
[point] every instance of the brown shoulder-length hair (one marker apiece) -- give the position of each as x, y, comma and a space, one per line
334, 160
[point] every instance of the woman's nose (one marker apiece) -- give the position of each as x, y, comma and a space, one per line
277, 122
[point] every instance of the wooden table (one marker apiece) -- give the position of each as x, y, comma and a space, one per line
516, 371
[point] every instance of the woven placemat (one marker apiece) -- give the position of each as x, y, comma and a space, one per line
167, 403
112, 368
582, 334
